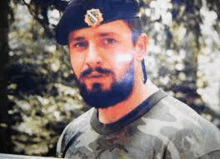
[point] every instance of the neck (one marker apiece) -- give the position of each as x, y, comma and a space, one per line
116, 112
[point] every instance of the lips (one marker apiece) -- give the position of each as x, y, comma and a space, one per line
96, 75
95, 72
104, 80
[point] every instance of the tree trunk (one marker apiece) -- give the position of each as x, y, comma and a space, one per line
4, 128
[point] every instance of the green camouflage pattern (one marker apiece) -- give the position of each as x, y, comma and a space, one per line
170, 130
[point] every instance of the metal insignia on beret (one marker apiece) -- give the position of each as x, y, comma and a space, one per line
93, 17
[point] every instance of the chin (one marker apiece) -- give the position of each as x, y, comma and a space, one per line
101, 98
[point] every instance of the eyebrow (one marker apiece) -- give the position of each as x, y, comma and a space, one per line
79, 38
106, 34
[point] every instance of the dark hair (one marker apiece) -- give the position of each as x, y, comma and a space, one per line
136, 28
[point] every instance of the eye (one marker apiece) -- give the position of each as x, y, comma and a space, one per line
109, 41
82, 44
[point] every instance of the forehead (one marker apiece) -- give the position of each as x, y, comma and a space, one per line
117, 28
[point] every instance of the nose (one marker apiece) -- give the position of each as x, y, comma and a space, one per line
93, 58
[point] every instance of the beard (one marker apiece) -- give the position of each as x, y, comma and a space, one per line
119, 90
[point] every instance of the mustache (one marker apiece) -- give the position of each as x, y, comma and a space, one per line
100, 70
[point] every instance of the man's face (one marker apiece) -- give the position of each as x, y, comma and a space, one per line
103, 61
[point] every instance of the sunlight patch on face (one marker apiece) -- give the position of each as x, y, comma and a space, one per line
124, 58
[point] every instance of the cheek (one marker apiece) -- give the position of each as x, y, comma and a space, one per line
123, 58
122, 64
76, 63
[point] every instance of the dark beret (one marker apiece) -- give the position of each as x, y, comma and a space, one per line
74, 14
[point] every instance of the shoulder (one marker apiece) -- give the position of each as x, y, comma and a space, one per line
184, 131
177, 113
78, 125
79, 122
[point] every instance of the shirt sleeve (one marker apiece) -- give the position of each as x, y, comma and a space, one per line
59, 150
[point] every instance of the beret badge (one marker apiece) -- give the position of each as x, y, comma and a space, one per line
93, 17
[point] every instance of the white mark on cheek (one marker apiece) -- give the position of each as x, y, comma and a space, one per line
124, 58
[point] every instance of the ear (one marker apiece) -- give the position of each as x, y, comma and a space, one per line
141, 47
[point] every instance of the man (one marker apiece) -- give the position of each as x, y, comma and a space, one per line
131, 118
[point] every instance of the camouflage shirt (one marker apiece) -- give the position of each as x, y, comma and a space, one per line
160, 127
